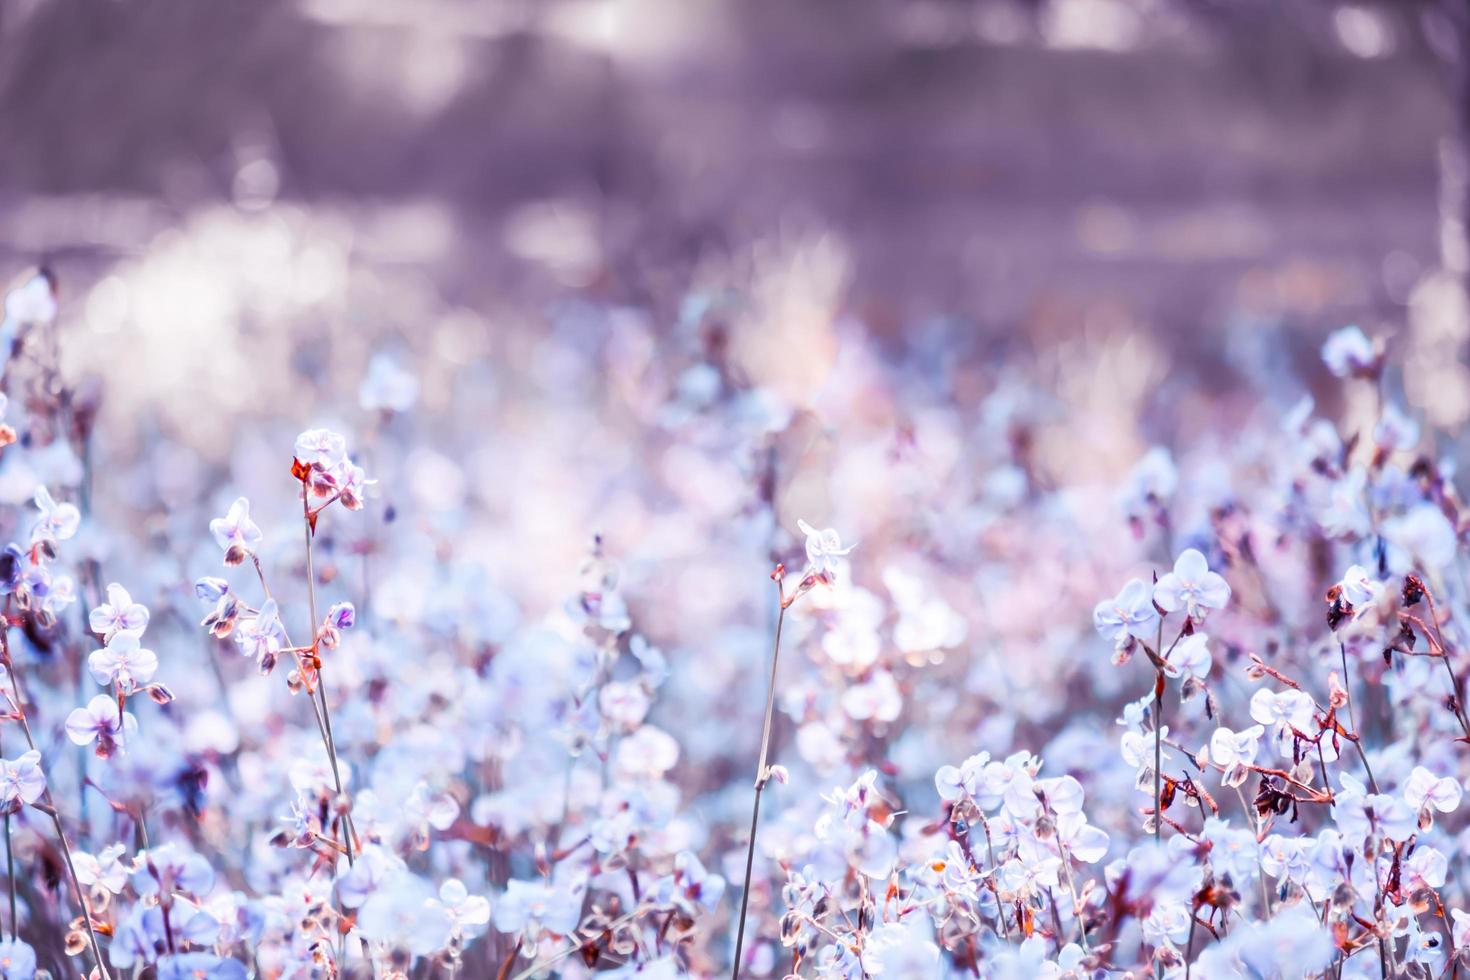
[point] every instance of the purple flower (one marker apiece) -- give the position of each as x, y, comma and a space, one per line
123, 662
21, 781
1130, 613
261, 636
211, 589
169, 869
101, 721
342, 616
236, 527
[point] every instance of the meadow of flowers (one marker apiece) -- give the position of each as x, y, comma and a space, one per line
636, 650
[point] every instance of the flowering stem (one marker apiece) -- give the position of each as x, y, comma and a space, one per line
760, 784
1158, 756
328, 740
10, 877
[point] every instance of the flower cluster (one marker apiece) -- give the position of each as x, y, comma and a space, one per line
575, 693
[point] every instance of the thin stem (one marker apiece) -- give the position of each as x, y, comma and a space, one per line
10, 875
325, 714
760, 784
1158, 756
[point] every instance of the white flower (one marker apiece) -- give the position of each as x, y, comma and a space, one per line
1130, 613
119, 614
901, 949
321, 448
21, 781
1349, 352
106, 870
954, 784
32, 302
1190, 656
1229, 748
1358, 815
1191, 586
57, 522
236, 527
103, 722
876, 699
468, 912
124, 662
1359, 589
1461, 930
1425, 789
1291, 708
406, 914
1425, 534
533, 907
824, 549
649, 752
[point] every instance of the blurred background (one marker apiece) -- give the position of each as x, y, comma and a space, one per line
1150, 210
1028, 166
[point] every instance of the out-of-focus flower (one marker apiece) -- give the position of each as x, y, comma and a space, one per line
21, 781
105, 870
57, 522
1461, 929
169, 869
200, 966
1359, 814
387, 387
1190, 657
1396, 430
118, 615
901, 949
1425, 535
17, 960
406, 914
876, 699
1349, 353
101, 721
1130, 613
1151, 484
1359, 589
534, 907
1191, 586
33, 302
236, 528
469, 913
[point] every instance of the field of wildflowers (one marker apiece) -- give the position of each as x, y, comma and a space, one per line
1209, 721
767, 489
